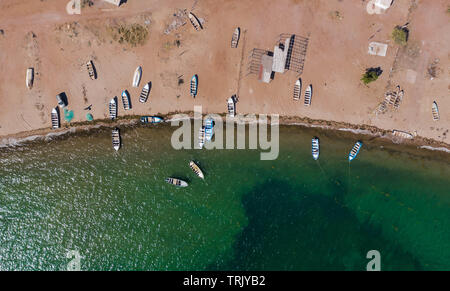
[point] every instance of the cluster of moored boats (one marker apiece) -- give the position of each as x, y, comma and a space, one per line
180, 183
298, 92
315, 149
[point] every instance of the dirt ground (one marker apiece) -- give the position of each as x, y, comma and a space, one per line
42, 35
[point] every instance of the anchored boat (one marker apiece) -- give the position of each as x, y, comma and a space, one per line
196, 169
113, 108
201, 137
91, 70
176, 182
194, 21
355, 150
435, 111
235, 38
30, 78
297, 89
315, 148
55, 118
308, 95
194, 86
126, 100
231, 106
151, 119
144, 93
209, 129
116, 139
137, 77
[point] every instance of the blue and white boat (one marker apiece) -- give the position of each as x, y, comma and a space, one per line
194, 86
315, 148
355, 150
151, 119
209, 129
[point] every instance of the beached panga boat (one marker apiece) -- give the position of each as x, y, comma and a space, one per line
137, 76
151, 119
113, 108
116, 139
235, 37
194, 21
55, 118
297, 89
30, 78
209, 129
308, 95
315, 148
201, 137
91, 70
231, 106
196, 169
126, 100
194, 86
402, 134
176, 182
354, 151
144, 93
435, 111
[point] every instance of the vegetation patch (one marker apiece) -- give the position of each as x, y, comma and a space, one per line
132, 34
400, 35
371, 75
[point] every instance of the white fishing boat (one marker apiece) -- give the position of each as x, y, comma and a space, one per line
30, 78
201, 137
194, 86
231, 106
308, 95
196, 169
235, 38
398, 99
315, 148
113, 108
435, 111
144, 94
354, 151
297, 89
402, 134
137, 77
91, 70
55, 118
194, 21
176, 182
126, 101
116, 139
209, 129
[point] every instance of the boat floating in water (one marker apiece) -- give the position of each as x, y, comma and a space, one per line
55, 118
116, 139
176, 182
435, 111
151, 119
235, 38
297, 89
194, 21
91, 70
355, 150
144, 93
209, 129
308, 95
315, 148
137, 76
30, 78
201, 137
126, 100
196, 169
194, 86
113, 108
231, 106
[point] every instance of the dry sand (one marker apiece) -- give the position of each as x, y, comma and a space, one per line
42, 35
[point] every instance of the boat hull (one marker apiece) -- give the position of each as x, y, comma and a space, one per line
137, 77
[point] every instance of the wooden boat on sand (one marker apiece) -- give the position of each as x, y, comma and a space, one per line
194, 86
113, 108
354, 151
144, 93
308, 95
30, 78
151, 119
176, 182
297, 89
435, 111
194, 21
402, 134
116, 139
196, 169
137, 77
231, 106
126, 100
91, 70
55, 118
315, 148
235, 38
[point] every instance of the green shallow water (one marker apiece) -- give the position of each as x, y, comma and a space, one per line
293, 213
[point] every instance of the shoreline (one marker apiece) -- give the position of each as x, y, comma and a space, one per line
45, 134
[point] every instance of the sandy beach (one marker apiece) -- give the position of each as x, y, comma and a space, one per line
40, 34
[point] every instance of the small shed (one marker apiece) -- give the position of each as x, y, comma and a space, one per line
377, 49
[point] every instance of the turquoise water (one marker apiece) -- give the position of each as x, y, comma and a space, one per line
293, 213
